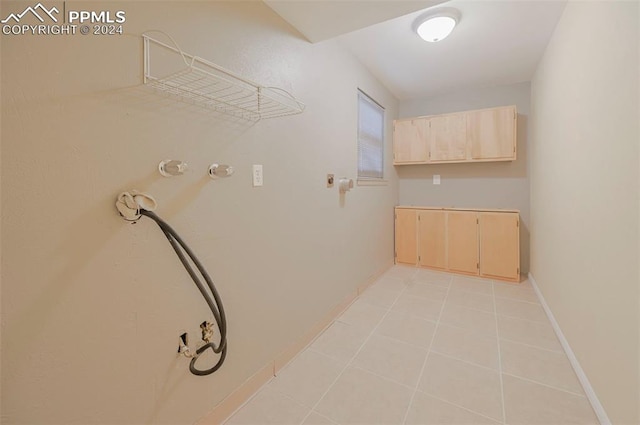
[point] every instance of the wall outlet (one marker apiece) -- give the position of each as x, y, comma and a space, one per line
436, 179
257, 175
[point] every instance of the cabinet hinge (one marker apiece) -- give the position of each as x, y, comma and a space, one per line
418, 218
477, 221
518, 271
478, 266
419, 258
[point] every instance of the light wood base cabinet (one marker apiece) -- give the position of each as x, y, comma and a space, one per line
432, 239
473, 242
406, 237
462, 242
499, 245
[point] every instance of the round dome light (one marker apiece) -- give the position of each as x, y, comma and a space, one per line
436, 28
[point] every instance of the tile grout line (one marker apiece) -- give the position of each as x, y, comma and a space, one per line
384, 378
513, 341
319, 414
475, 309
518, 300
545, 385
438, 323
449, 356
502, 315
504, 407
423, 347
388, 310
417, 390
495, 310
254, 395
476, 332
543, 322
402, 384
424, 363
357, 352
459, 406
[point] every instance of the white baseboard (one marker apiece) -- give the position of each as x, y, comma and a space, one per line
582, 377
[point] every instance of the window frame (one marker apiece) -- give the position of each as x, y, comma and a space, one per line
362, 96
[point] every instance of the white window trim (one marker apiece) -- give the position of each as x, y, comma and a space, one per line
372, 182
367, 180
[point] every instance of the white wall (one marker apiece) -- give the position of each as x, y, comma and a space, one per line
584, 194
91, 306
481, 185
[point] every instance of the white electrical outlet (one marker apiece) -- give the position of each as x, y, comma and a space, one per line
436, 179
257, 175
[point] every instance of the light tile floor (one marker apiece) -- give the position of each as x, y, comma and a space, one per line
423, 347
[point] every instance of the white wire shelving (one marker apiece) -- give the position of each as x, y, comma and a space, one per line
213, 87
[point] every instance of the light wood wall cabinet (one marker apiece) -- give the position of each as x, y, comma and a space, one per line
491, 133
409, 146
448, 138
468, 241
470, 136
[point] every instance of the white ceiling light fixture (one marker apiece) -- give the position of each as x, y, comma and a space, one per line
437, 25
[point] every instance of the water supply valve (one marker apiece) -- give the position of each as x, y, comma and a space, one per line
183, 346
207, 331
220, 170
172, 167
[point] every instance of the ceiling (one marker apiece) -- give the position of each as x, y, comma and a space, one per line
495, 43
320, 20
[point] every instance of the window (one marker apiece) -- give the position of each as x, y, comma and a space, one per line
370, 138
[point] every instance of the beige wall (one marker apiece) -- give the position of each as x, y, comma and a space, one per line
482, 185
91, 306
584, 194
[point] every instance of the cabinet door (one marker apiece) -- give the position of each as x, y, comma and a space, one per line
491, 133
448, 138
406, 236
500, 245
432, 239
462, 241
410, 141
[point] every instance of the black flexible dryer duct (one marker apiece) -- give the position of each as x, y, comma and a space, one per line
216, 307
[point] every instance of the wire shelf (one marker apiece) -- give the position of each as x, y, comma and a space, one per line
210, 86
